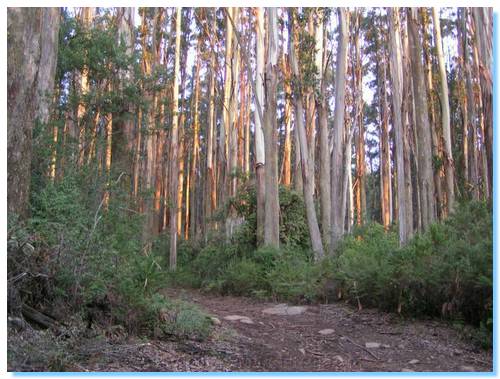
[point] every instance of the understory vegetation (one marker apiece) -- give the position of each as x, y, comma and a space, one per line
445, 272
70, 257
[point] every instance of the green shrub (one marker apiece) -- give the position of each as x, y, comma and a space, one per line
244, 277
446, 271
364, 266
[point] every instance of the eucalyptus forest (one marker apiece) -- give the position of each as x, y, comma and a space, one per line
250, 189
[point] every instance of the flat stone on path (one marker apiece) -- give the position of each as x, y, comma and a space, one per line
467, 368
243, 319
413, 361
285, 310
326, 331
215, 320
372, 345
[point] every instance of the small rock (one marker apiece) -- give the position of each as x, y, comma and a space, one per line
372, 345
326, 331
339, 358
215, 320
234, 317
406, 370
246, 320
302, 351
285, 310
243, 319
28, 249
413, 361
384, 345
467, 368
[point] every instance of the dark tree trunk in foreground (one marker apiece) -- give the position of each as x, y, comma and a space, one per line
32, 53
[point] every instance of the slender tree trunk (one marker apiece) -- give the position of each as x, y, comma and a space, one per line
211, 189
232, 126
259, 133
324, 151
445, 115
409, 125
174, 164
358, 120
461, 49
196, 144
307, 176
286, 174
86, 16
225, 127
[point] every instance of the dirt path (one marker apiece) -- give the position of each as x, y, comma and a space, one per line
349, 341
294, 342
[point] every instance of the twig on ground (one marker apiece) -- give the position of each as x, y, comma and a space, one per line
361, 347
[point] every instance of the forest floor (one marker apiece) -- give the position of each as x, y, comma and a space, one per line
324, 337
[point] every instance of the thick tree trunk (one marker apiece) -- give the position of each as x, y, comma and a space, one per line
271, 217
86, 17
397, 94
337, 216
31, 41
483, 18
425, 170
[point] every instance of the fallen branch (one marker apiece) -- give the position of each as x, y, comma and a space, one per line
361, 347
37, 317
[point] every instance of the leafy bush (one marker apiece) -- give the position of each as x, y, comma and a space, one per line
446, 271
293, 223
364, 266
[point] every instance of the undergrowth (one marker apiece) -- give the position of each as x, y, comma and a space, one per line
445, 272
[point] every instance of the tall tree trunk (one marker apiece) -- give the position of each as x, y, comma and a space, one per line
445, 116
211, 189
409, 125
231, 129
396, 69
259, 133
307, 176
483, 18
358, 121
337, 217
425, 174
86, 16
432, 102
174, 163
31, 41
225, 127
286, 173
196, 143
123, 120
324, 151
271, 216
